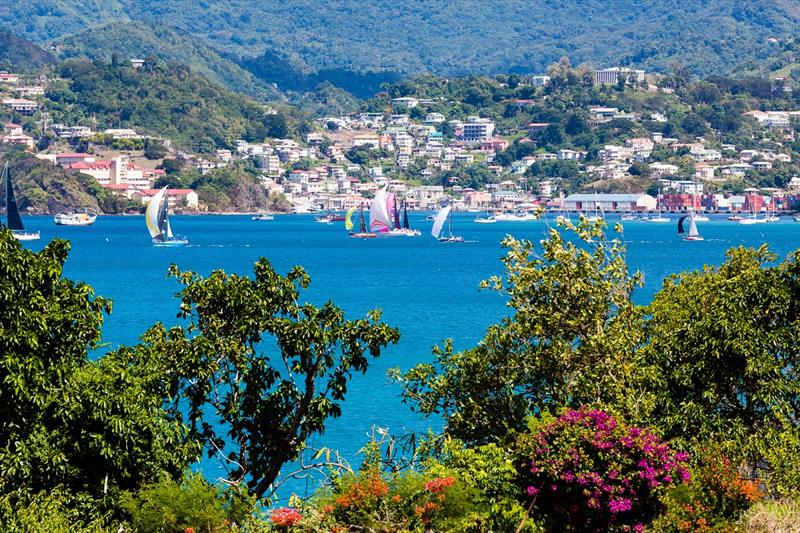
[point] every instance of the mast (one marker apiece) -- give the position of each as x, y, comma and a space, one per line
405, 215
396, 212
14, 221
362, 223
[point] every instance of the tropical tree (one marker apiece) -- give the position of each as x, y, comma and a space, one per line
258, 372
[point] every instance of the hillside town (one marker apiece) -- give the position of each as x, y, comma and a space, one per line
419, 155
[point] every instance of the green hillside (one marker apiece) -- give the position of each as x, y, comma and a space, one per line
21, 55
138, 40
164, 99
448, 38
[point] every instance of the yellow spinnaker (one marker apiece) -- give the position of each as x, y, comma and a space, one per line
348, 218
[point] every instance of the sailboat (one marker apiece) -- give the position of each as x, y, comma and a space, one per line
693, 234
660, 217
752, 219
362, 230
772, 215
157, 219
598, 211
13, 220
443, 215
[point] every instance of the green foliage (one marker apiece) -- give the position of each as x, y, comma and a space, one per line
714, 499
174, 506
566, 342
721, 350
94, 428
45, 512
133, 39
43, 187
167, 100
270, 370
17, 54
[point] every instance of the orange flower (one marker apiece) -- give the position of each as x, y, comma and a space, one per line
439, 484
397, 498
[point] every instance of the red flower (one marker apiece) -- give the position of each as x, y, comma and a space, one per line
439, 484
285, 517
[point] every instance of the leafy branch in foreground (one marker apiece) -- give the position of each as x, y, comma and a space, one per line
259, 372
566, 342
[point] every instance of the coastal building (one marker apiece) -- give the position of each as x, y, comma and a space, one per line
175, 197
406, 102
122, 133
610, 202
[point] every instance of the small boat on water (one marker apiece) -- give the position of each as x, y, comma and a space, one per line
518, 216
262, 217
13, 219
488, 219
329, 218
735, 218
157, 219
796, 218
629, 217
693, 234
74, 219
444, 215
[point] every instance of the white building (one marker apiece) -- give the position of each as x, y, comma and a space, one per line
477, 129
610, 202
611, 76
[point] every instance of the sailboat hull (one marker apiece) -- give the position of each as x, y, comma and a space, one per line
26, 235
172, 243
694, 238
363, 235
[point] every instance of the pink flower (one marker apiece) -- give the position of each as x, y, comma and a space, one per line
532, 491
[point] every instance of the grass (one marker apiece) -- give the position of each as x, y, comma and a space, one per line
781, 516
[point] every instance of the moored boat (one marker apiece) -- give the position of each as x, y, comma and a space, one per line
262, 217
74, 219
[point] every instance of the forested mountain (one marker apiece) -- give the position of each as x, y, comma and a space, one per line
135, 39
21, 55
163, 99
462, 36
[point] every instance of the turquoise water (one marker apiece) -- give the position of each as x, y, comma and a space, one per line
429, 290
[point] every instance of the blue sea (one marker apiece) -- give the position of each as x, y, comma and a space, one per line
429, 290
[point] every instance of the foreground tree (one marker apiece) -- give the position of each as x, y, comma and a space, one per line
257, 371
93, 428
566, 343
722, 350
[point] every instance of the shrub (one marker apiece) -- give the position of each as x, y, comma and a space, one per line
411, 502
174, 506
587, 471
713, 501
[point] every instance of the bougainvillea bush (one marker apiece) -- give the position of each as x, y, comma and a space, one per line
587, 471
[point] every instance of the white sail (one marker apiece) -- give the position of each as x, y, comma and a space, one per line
151, 214
693, 227
169, 230
378, 214
438, 221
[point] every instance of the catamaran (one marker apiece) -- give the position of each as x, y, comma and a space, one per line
13, 220
157, 219
443, 215
693, 234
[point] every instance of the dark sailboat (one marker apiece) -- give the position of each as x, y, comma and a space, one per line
13, 219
